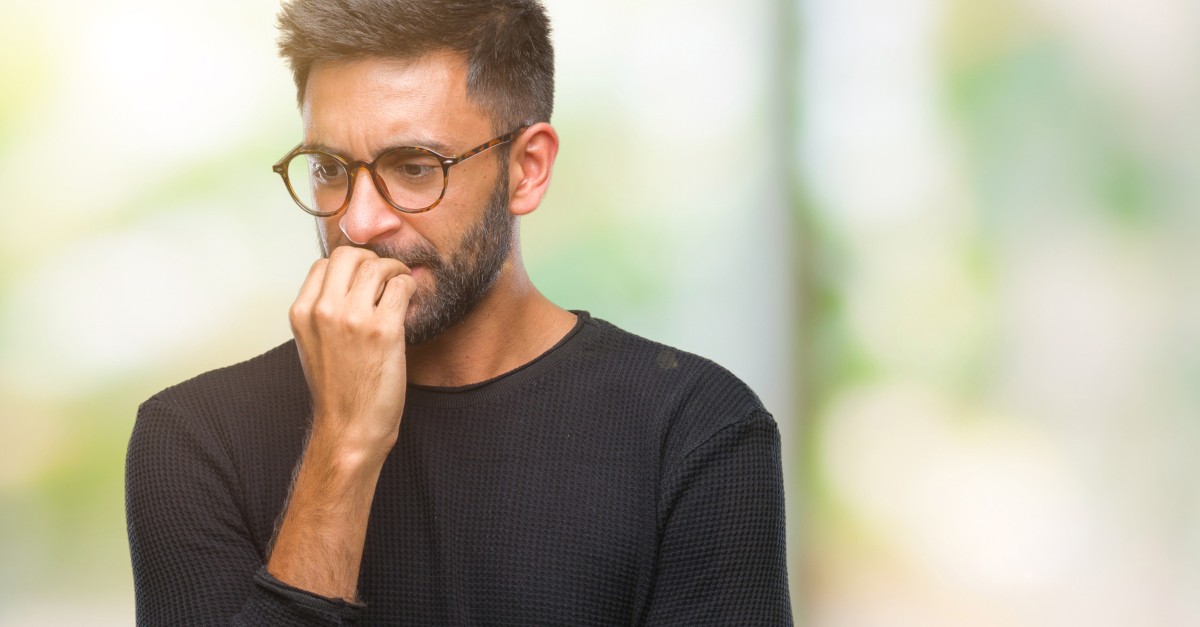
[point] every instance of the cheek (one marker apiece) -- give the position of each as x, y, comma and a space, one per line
329, 234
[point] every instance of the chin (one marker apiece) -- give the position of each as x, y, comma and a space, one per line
418, 325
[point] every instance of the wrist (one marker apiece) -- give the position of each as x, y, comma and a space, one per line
344, 462
348, 444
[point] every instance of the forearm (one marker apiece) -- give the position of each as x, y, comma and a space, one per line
349, 326
319, 544
194, 560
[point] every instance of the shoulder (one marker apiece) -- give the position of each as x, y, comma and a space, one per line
243, 394
698, 398
665, 370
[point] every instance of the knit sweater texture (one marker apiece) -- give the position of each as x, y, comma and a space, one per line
611, 481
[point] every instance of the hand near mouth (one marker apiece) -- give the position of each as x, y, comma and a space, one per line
348, 322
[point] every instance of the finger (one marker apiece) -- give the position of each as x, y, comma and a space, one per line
311, 288
397, 293
371, 279
300, 314
339, 272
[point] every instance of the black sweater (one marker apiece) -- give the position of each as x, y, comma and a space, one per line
610, 481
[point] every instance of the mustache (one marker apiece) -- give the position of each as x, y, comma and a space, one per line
418, 255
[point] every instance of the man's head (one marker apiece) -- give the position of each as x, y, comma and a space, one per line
372, 75
510, 59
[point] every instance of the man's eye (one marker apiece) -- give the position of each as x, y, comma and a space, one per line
327, 172
415, 170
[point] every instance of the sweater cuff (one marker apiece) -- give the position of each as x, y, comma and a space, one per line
327, 610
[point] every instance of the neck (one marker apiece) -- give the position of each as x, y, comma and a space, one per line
511, 326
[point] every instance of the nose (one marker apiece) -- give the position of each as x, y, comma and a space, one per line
368, 216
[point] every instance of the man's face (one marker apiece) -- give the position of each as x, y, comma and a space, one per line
360, 108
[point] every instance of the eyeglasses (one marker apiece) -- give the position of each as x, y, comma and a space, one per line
410, 179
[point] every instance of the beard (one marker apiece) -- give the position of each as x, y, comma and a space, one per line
460, 278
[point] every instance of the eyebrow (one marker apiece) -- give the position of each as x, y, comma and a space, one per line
428, 144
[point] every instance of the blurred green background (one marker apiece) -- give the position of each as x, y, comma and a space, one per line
951, 244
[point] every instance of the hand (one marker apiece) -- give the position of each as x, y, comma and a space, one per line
349, 326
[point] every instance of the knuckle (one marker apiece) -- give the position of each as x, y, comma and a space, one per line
323, 312
299, 312
374, 266
401, 289
353, 322
345, 252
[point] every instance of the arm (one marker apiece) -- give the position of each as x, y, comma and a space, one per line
194, 560
349, 326
722, 557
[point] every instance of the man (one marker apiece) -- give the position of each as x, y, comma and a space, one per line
441, 444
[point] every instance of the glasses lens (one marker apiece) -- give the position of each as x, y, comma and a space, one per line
414, 178
319, 181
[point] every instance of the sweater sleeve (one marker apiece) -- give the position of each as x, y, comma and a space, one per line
194, 558
722, 557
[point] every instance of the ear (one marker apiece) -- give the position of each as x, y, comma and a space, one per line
529, 167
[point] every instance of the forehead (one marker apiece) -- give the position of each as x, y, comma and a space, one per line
366, 105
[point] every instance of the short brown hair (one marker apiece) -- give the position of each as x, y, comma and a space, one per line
510, 59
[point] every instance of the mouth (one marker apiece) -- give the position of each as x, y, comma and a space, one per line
418, 271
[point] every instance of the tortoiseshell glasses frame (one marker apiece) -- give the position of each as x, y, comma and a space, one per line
351, 169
